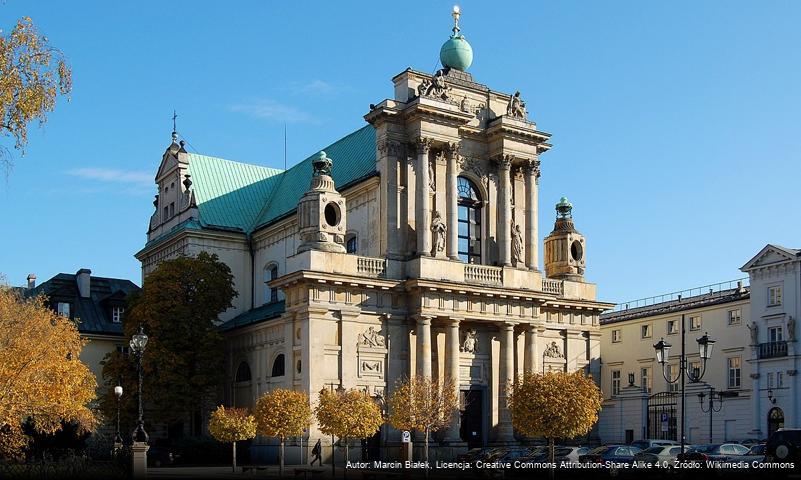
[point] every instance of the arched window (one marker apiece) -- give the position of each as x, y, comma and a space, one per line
242, 373
352, 244
270, 274
278, 366
469, 221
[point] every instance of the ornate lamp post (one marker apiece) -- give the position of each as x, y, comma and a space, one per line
711, 406
662, 349
138, 343
118, 437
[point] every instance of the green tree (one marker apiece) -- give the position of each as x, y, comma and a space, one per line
348, 414
554, 405
32, 75
282, 413
231, 426
178, 306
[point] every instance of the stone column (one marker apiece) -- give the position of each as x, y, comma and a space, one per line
452, 371
422, 200
506, 374
391, 150
532, 194
504, 210
530, 353
453, 205
424, 346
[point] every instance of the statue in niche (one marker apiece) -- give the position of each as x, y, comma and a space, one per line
432, 181
516, 107
517, 244
371, 338
791, 329
752, 327
553, 351
438, 229
464, 105
469, 345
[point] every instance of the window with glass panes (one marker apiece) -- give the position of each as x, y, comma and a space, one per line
645, 379
734, 316
734, 372
615, 382
270, 274
469, 221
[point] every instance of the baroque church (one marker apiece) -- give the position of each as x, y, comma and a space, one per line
408, 247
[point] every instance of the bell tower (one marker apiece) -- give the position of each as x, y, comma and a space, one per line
565, 246
321, 211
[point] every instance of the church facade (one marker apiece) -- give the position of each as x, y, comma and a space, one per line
409, 247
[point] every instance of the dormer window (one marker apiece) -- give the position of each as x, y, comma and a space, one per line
63, 309
116, 314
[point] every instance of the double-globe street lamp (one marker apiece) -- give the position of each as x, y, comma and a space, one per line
138, 343
710, 409
705, 344
118, 437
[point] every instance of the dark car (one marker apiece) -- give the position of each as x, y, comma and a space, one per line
610, 453
784, 446
713, 452
158, 457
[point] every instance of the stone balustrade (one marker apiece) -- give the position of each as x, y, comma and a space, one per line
483, 274
553, 286
371, 267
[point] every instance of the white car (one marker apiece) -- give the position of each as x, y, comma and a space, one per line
659, 453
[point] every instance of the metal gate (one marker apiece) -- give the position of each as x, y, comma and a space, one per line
662, 418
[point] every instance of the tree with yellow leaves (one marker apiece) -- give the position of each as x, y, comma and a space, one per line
232, 425
41, 377
32, 74
282, 413
554, 405
424, 405
348, 414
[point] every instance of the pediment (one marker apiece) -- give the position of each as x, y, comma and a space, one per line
771, 254
169, 162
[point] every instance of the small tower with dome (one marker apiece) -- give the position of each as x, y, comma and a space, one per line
565, 246
456, 52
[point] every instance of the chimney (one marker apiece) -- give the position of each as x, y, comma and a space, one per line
83, 277
31, 281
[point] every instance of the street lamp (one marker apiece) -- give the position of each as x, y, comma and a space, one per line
117, 437
711, 408
662, 348
138, 343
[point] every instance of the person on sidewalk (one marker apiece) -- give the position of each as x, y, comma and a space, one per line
317, 453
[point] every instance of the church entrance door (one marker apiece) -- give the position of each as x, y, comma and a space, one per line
471, 403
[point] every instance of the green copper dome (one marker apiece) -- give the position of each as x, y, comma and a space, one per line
456, 53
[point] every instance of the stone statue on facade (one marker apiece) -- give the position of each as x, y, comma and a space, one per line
516, 107
435, 87
517, 244
791, 329
469, 343
752, 327
322, 165
553, 351
438, 229
371, 338
432, 181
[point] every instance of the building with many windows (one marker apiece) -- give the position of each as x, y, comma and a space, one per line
408, 247
752, 373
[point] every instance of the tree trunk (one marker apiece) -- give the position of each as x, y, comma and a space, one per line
551, 457
426, 453
234, 462
347, 457
281, 459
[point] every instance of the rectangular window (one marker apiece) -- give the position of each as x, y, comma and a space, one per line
770, 380
645, 379
779, 379
172, 209
734, 372
615, 382
166, 214
775, 334
734, 316
63, 309
671, 371
695, 368
116, 314
615, 336
123, 349
774, 296
672, 327
695, 322
645, 331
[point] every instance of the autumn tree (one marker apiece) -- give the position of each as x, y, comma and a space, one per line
282, 413
231, 426
423, 405
32, 75
348, 414
554, 405
178, 308
42, 382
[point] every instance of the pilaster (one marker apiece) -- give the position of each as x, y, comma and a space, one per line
504, 210
452, 199
532, 175
422, 197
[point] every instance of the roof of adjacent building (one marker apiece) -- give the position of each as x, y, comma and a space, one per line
677, 305
93, 313
259, 314
243, 197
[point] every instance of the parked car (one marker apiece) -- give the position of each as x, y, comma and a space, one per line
653, 442
716, 452
561, 453
658, 454
784, 446
613, 453
160, 457
755, 454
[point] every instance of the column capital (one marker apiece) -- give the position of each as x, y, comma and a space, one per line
505, 161
423, 319
453, 149
507, 325
393, 148
453, 321
532, 168
423, 144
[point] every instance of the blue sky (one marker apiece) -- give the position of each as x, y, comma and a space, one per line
675, 125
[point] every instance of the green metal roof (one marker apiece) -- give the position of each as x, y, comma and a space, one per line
264, 312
